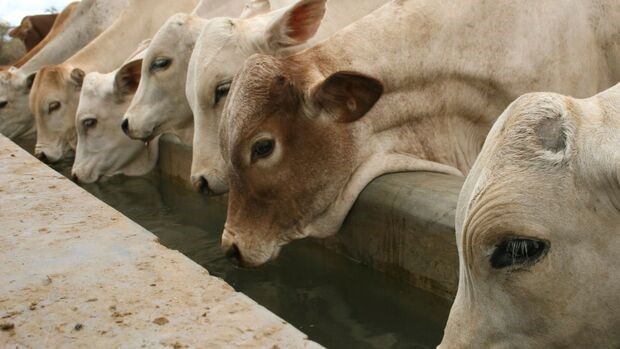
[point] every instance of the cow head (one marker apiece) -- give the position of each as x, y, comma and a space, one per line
103, 150
16, 121
538, 229
54, 101
160, 104
23, 30
223, 47
292, 154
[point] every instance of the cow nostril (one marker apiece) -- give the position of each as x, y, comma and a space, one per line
234, 253
125, 126
75, 177
3, 104
202, 185
41, 156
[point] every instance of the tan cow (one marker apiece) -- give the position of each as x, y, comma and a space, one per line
87, 21
62, 21
226, 43
102, 148
33, 29
303, 135
55, 94
538, 229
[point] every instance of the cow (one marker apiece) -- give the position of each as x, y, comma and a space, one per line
61, 22
33, 29
221, 49
538, 229
303, 135
102, 148
160, 104
218, 8
87, 21
56, 89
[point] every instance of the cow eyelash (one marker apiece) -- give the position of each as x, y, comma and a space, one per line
518, 252
160, 64
89, 123
53, 106
221, 91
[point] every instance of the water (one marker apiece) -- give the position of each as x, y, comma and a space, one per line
334, 300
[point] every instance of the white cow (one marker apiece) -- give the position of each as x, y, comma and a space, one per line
538, 229
414, 86
102, 148
218, 8
55, 93
226, 43
89, 20
160, 104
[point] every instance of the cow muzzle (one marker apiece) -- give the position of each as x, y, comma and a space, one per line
249, 255
133, 133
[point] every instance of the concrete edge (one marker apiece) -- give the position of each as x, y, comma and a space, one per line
76, 272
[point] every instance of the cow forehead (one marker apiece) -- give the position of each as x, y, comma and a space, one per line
520, 151
51, 77
251, 92
216, 35
167, 36
97, 85
218, 30
7, 79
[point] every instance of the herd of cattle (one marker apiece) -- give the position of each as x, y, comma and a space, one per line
294, 106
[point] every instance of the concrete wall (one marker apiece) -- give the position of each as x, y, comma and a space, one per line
402, 224
75, 273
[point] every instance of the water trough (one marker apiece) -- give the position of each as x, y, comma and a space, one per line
402, 224
336, 302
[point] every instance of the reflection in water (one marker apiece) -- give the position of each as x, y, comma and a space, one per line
337, 302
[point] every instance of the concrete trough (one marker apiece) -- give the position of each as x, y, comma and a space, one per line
77, 273
402, 224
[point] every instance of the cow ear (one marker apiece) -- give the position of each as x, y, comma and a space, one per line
77, 77
14, 32
30, 81
348, 96
295, 25
128, 77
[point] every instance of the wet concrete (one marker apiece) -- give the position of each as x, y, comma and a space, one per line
77, 273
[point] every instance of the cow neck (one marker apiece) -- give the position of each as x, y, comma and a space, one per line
419, 104
83, 24
138, 22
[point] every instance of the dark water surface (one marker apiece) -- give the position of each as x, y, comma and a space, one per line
334, 300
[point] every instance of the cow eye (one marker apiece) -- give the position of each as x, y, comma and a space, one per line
89, 123
262, 149
53, 106
221, 91
3, 104
518, 252
160, 64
